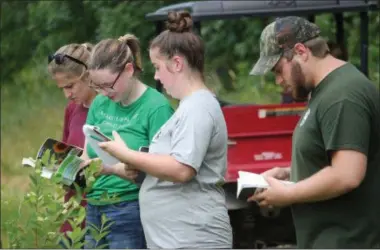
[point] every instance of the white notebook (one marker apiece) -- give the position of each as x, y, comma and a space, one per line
93, 137
248, 182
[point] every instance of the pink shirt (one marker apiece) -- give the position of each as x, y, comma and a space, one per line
75, 118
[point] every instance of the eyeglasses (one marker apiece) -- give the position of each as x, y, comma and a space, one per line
60, 58
107, 87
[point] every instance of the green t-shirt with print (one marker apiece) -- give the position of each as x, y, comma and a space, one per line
136, 123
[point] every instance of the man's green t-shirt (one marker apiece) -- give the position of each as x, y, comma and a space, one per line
136, 123
343, 114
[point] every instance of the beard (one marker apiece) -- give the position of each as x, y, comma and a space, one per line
300, 90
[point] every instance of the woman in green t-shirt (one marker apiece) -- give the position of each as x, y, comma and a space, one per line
136, 111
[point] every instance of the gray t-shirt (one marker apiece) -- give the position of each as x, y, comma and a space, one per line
191, 214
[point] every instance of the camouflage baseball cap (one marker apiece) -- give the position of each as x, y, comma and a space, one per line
280, 35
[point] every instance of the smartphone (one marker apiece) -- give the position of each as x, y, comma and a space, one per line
144, 149
101, 135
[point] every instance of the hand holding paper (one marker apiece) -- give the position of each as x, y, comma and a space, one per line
117, 148
93, 137
248, 183
277, 194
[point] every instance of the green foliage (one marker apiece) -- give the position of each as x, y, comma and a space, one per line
99, 233
31, 30
40, 227
13, 39
49, 26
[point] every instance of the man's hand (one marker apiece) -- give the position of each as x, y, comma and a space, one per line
276, 195
279, 173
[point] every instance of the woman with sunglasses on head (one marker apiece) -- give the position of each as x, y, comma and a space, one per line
181, 199
136, 111
68, 66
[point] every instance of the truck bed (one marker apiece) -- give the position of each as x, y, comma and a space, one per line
260, 136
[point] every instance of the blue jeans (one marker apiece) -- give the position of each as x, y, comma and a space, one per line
126, 230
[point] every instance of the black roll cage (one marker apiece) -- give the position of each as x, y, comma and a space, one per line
220, 10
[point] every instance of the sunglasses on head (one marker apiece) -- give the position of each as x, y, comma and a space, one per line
60, 58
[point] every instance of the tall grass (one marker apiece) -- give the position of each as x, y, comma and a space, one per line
32, 109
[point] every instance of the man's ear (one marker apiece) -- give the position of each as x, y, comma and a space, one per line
301, 51
129, 69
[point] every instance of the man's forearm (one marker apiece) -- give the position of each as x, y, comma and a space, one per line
323, 185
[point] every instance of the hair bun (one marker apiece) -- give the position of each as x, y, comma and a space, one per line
179, 21
123, 38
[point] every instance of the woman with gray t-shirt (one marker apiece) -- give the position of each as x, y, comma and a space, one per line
181, 203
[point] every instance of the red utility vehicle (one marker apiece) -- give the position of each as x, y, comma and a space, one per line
260, 135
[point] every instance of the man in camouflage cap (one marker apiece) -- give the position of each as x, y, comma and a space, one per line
279, 36
336, 143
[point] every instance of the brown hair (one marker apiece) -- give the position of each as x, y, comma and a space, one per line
114, 54
179, 39
81, 52
336, 50
318, 47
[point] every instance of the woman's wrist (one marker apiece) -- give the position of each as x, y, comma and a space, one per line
117, 169
126, 155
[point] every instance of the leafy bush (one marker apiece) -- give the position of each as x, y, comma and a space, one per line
40, 227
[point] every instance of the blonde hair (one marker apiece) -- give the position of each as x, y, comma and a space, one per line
81, 52
114, 54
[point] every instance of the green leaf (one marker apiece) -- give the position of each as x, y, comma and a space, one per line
71, 222
109, 224
78, 245
78, 191
102, 246
104, 219
65, 241
76, 234
81, 215
104, 195
33, 179
53, 160
92, 228
45, 157
103, 235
